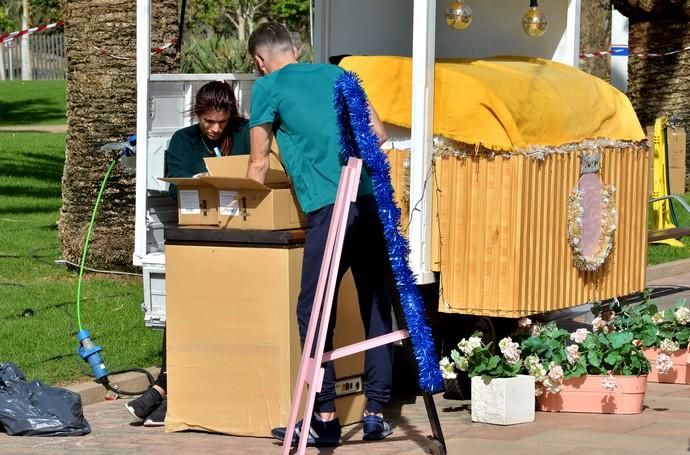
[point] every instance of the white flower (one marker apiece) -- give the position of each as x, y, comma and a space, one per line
609, 383
535, 330
469, 346
573, 353
579, 335
663, 363
510, 350
447, 368
683, 315
538, 391
598, 324
524, 322
658, 318
669, 346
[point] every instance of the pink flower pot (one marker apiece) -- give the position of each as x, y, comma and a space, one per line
587, 394
680, 372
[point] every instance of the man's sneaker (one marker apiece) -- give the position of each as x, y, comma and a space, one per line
141, 407
376, 428
157, 417
321, 434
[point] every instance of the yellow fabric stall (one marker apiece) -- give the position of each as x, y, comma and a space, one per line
503, 103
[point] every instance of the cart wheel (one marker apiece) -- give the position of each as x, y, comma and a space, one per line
488, 328
436, 447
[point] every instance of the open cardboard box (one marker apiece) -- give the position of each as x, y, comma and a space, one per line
225, 197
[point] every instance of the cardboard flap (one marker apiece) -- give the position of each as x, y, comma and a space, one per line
236, 167
234, 183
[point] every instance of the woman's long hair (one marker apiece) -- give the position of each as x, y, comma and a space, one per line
219, 96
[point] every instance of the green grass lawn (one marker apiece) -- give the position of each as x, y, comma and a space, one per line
32, 103
44, 344
659, 253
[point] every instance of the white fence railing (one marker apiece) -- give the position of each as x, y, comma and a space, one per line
48, 59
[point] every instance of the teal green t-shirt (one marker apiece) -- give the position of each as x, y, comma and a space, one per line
187, 150
298, 101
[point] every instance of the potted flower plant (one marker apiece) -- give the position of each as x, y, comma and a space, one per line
662, 334
583, 371
500, 395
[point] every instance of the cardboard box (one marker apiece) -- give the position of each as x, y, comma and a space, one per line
224, 196
233, 345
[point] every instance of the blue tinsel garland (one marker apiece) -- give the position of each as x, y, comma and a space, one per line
358, 139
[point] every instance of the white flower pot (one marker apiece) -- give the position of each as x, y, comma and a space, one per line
503, 401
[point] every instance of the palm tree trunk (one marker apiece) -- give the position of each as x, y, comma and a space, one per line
660, 85
595, 35
101, 108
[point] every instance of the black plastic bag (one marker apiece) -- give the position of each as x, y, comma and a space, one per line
30, 408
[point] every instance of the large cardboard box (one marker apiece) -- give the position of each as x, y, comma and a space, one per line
224, 196
233, 348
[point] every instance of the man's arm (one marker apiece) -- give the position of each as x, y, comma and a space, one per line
376, 123
260, 137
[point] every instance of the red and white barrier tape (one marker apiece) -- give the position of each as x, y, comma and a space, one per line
7, 37
18, 34
154, 51
624, 52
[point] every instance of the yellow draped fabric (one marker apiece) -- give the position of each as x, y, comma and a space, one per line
503, 103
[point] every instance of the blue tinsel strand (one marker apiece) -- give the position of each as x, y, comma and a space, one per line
358, 139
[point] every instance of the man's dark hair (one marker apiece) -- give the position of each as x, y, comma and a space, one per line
271, 34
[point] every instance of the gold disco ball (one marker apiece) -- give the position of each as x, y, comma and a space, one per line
534, 22
458, 15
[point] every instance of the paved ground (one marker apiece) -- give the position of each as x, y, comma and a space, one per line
663, 427
34, 128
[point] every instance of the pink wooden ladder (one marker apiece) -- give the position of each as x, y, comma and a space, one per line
310, 370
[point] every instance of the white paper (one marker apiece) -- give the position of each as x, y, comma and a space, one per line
189, 202
228, 204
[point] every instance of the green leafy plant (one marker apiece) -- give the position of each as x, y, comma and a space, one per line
474, 357
552, 355
216, 54
668, 330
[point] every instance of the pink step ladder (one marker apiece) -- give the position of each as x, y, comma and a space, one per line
311, 371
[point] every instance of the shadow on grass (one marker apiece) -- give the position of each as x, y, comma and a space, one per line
35, 165
31, 111
24, 210
32, 192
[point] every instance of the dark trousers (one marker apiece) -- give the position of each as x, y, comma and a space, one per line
364, 253
162, 380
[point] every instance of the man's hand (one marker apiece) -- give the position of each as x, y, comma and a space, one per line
377, 125
260, 137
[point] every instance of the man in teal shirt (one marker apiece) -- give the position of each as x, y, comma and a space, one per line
294, 101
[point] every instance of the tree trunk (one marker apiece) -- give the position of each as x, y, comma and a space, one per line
595, 35
101, 108
660, 85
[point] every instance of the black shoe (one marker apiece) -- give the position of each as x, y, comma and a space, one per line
321, 434
141, 407
157, 417
375, 428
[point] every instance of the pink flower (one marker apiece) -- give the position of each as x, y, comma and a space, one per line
556, 374
524, 322
663, 363
579, 335
510, 350
573, 353
609, 383
599, 324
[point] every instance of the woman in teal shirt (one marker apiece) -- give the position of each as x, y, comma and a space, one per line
221, 131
